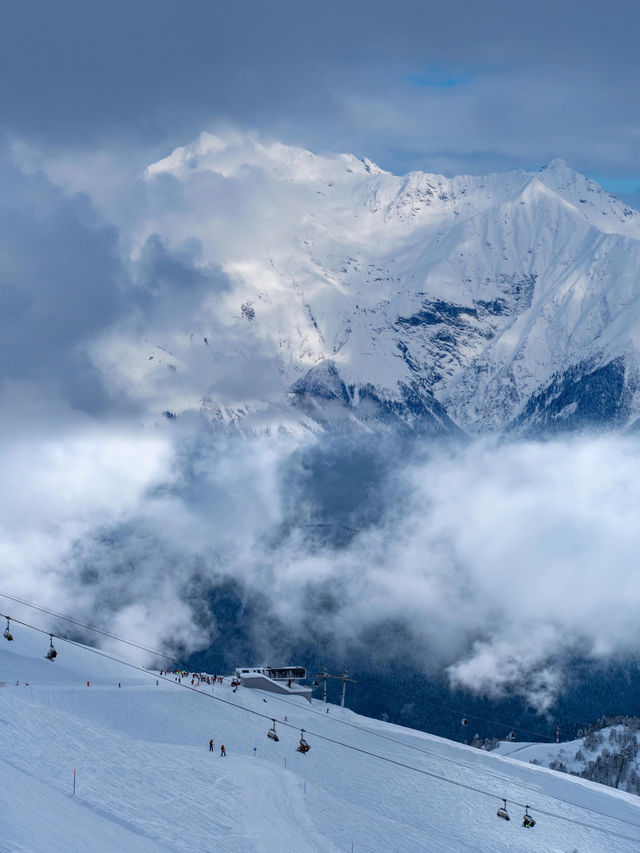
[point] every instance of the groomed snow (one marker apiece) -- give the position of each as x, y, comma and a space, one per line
146, 780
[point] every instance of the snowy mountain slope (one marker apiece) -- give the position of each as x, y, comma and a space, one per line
606, 753
146, 779
361, 296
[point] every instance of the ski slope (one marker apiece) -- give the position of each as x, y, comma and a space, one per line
146, 780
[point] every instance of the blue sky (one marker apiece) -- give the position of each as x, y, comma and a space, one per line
437, 77
447, 87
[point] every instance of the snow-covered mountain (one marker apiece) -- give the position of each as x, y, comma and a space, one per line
351, 295
607, 753
146, 780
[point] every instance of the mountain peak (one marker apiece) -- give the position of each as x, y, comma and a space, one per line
205, 144
372, 167
560, 174
557, 164
474, 293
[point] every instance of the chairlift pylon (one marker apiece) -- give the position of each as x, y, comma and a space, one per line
502, 811
303, 746
527, 821
52, 653
7, 631
272, 732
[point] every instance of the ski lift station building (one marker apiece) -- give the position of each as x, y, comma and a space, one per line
279, 679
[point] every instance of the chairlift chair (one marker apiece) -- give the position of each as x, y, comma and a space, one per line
272, 732
303, 746
7, 631
527, 821
502, 811
52, 653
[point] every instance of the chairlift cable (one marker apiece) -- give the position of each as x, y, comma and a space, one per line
497, 723
88, 627
362, 751
419, 749
443, 758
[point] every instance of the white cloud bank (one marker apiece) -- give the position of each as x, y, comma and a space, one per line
495, 562
500, 560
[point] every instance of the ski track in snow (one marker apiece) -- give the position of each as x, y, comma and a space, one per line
147, 781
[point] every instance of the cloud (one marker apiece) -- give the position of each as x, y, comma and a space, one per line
496, 564
60, 276
548, 80
58, 488
104, 315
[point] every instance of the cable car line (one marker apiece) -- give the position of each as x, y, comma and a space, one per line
468, 717
7, 631
52, 654
449, 709
88, 627
415, 748
360, 750
443, 758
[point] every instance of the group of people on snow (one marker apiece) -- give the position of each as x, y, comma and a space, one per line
223, 751
197, 678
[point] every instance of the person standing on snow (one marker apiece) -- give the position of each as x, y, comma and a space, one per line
211, 745
223, 751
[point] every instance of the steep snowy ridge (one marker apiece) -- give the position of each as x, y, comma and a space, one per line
146, 780
418, 301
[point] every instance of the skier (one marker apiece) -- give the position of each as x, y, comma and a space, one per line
211, 745
223, 751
